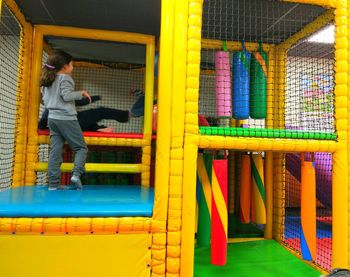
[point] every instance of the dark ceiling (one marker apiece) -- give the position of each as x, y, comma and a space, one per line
100, 51
140, 16
268, 21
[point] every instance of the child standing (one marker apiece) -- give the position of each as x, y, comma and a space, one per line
57, 88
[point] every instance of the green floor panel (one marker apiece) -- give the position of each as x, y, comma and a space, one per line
263, 258
236, 229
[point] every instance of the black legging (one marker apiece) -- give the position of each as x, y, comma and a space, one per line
88, 119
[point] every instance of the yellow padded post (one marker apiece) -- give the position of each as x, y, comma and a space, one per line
177, 138
348, 142
149, 87
278, 158
340, 178
195, 8
147, 128
269, 155
161, 195
146, 166
164, 112
34, 99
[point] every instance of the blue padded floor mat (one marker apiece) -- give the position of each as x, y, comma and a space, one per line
92, 201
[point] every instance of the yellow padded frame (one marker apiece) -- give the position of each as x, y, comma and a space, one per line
39, 32
176, 166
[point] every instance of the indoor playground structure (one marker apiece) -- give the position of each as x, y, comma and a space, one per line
238, 166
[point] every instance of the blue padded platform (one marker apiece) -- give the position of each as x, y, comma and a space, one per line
92, 201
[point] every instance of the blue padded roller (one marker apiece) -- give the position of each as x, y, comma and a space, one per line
240, 85
92, 201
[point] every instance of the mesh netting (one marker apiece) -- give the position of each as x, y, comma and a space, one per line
236, 81
310, 86
97, 154
113, 85
111, 80
10, 31
292, 222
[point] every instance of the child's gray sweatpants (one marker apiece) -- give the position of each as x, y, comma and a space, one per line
61, 131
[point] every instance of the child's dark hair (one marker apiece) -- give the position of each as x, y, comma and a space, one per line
54, 63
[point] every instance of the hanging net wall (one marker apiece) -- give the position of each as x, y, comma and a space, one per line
238, 79
10, 62
310, 83
114, 86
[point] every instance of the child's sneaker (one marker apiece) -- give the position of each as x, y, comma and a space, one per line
56, 187
75, 181
52, 187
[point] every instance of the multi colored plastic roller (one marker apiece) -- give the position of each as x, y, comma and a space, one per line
204, 205
223, 84
308, 210
258, 190
241, 84
219, 215
258, 84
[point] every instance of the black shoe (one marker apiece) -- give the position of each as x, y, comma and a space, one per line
56, 187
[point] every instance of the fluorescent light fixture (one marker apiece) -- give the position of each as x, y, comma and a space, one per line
325, 35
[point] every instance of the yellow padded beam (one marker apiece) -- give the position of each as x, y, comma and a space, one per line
233, 45
43, 139
75, 225
96, 167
